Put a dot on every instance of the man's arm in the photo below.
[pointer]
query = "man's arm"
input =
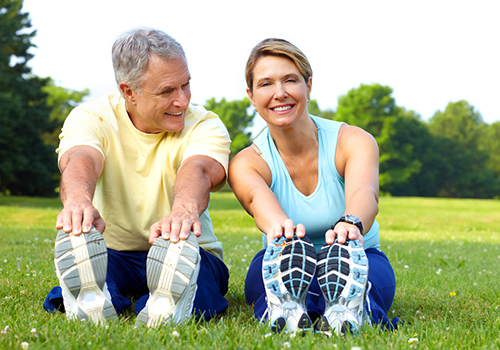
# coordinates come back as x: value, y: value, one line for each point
x: 81, y: 166
x: 196, y: 176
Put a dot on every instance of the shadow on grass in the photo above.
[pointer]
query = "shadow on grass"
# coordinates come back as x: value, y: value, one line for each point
x: 30, y: 202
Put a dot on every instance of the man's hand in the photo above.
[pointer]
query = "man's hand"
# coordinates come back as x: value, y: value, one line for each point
x: 196, y: 176
x: 343, y: 230
x: 81, y: 166
x: 175, y: 226
x: 79, y: 217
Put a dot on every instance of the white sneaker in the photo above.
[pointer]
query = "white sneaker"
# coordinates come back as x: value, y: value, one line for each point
x: 342, y: 273
x: 287, y: 269
x: 172, y: 273
x: 81, y: 264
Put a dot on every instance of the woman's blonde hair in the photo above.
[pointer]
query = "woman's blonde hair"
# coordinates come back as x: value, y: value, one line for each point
x: 280, y: 48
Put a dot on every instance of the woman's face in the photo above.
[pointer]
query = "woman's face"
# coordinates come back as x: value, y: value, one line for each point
x: 280, y: 92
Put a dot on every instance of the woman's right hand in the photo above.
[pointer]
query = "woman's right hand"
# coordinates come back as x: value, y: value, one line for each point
x: 287, y: 228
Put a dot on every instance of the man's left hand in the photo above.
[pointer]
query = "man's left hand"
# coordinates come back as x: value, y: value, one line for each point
x: 175, y: 226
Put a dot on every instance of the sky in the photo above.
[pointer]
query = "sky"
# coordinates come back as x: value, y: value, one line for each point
x: 429, y: 52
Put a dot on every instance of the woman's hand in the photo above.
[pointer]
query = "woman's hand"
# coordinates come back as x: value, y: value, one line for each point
x: 287, y: 228
x: 342, y: 230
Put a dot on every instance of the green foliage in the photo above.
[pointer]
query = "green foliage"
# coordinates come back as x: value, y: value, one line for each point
x: 490, y: 144
x: 27, y: 165
x: 465, y: 171
x: 454, y: 155
x: 61, y: 101
x: 444, y: 253
x: 313, y: 108
x: 237, y: 119
x: 398, y: 133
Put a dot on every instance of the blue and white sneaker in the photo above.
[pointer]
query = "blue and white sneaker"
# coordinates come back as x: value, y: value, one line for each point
x: 81, y: 264
x: 342, y: 273
x: 172, y: 273
x: 287, y: 269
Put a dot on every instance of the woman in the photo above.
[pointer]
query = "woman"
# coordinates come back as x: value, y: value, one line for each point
x: 312, y: 187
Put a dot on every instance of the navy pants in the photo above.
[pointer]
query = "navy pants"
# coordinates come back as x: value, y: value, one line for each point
x: 381, y: 294
x: 126, y: 279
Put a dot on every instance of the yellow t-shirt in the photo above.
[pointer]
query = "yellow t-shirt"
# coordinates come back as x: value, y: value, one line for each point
x: 135, y: 188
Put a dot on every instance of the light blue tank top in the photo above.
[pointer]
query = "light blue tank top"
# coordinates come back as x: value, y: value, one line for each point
x: 322, y: 208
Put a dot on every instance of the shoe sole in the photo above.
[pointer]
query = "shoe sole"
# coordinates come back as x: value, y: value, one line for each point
x: 172, y: 273
x: 342, y: 276
x: 81, y: 262
x: 287, y: 269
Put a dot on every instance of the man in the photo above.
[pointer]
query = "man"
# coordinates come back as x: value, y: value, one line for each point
x: 137, y: 167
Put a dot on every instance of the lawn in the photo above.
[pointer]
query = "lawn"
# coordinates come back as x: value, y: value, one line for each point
x: 445, y: 253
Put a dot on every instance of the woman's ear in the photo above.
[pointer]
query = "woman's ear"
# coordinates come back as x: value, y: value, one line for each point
x: 250, y: 96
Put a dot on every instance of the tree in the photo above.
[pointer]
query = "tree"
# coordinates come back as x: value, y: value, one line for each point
x: 313, y: 108
x: 372, y: 108
x: 490, y: 143
x: 61, y: 101
x: 467, y: 174
x: 237, y: 119
x: 27, y: 165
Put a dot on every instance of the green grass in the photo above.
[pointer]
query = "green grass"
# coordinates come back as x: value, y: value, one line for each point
x: 445, y: 254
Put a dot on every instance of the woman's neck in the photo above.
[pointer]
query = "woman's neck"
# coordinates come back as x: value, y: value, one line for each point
x: 295, y: 140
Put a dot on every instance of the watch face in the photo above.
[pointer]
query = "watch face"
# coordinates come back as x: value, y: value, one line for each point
x: 352, y: 218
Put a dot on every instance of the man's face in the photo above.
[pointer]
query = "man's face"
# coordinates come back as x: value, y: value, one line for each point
x: 161, y: 104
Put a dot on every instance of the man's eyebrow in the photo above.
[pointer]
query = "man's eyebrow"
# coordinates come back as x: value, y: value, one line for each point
x: 167, y: 89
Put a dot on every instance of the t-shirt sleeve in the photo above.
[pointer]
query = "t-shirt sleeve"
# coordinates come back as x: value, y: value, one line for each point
x: 80, y: 129
x: 210, y: 138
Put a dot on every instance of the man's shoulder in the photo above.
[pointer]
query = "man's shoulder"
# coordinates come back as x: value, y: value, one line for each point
x: 199, y: 113
x: 106, y: 104
x: 197, y: 117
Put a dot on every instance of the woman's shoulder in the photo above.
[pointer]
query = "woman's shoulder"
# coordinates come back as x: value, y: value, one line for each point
x: 247, y: 161
x: 326, y: 124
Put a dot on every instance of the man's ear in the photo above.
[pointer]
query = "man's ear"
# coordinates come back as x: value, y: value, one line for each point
x: 128, y: 93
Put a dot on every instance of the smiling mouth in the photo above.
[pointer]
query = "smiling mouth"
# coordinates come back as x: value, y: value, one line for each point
x: 174, y: 114
x: 282, y: 108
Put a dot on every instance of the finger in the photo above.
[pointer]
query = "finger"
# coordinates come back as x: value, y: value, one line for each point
x: 300, y: 230
x: 175, y: 229
x: 197, y: 228
x: 330, y: 237
x: 99, y: 225
x: 77, y: 221
x: 361, y: 239
x: 154, y: 232
x: 88, y: 217
x: 341, y: 232
x: 278, y: 230
x: 353, y: 233
x: 185, y: 228
x: 289, y: 228
x: 59, y: 221
x: 67, y: 222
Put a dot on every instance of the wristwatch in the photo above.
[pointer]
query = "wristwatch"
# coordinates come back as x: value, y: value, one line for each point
x: 351, y: 219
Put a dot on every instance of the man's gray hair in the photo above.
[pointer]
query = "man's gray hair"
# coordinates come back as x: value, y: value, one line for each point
x: 131, y: 52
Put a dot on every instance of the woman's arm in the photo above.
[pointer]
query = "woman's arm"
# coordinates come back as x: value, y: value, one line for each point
x: 357, y: 161
x: 250, y: 178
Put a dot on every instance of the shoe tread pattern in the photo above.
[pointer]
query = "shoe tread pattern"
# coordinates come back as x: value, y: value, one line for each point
x: 82, y: 262
x: 289, y: 263
x: 170, y: 268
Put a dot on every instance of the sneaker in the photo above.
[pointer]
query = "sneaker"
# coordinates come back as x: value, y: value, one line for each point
x: 172, y: 273
x: 81, y: 264
x: 288, y: 268
x: 342, y: 273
